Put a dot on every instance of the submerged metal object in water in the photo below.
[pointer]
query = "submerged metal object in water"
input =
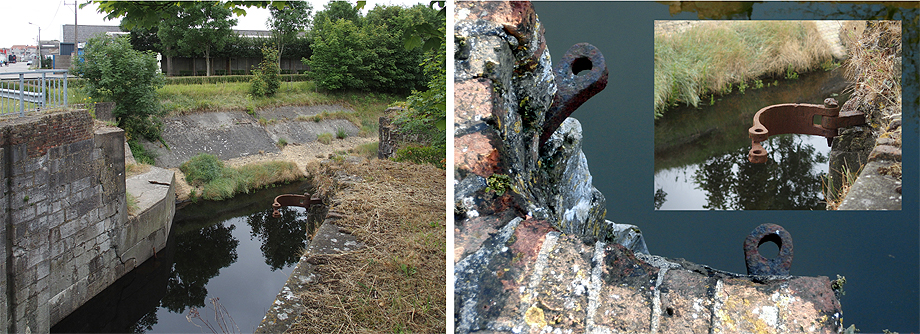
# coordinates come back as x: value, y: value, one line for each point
x: 305, y: 201
x: 798, y: 118
x: 581, y: 74
x: 759, y: 265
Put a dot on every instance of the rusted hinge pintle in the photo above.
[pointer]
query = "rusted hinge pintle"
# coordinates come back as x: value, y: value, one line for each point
x: 305, y: 201
x: 798, y: 118
x: 581, y: 74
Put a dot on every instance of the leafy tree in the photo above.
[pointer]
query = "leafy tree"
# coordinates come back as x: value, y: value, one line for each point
x: 368, y: 54
x: 266, y: 79
x: 332, y: 12
x: 196, y: 29
x: 114, y: 71
x: 287, y: 22
x: 143, y: 38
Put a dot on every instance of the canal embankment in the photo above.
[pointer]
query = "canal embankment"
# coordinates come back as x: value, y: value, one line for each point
x: 873, y: 152
x: 377, y: 263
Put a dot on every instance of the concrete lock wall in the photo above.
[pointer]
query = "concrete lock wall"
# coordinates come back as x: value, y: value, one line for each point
x: 64, y: 217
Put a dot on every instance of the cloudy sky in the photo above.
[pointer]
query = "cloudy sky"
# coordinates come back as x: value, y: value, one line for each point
x: 50, y: 15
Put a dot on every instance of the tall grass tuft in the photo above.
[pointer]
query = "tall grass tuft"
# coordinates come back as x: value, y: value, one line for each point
x: 219, y: 182
x: 710, y: 58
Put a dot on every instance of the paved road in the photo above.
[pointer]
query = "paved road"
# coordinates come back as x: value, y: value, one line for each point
x: 15, y: 68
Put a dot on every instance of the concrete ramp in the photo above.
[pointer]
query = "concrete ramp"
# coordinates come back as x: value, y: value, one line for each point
x: 234, y: 134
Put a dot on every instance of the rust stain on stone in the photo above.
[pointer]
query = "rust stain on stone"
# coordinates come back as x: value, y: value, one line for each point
x: 474, y: 152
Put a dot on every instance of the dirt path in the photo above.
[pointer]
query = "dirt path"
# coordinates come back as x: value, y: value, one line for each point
x: 301, y: 154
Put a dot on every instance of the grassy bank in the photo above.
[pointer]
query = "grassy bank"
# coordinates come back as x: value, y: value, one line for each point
x: 214, y: 181
x: 719, y: 58
x: 397, y: 283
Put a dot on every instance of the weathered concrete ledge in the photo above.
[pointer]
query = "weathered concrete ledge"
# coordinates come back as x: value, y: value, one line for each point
x: 329, y: 239
x: 155, y: 192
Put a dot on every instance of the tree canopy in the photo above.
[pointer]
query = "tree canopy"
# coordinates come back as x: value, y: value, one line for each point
x: 287, y: 22
x: 196, y: 29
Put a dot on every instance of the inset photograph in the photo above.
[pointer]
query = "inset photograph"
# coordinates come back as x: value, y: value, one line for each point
x: 777, y: 115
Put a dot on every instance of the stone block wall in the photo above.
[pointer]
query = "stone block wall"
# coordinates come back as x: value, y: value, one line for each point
x: 63, y: 192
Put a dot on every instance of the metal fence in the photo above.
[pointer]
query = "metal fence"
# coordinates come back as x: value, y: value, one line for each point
x: 22, y: 92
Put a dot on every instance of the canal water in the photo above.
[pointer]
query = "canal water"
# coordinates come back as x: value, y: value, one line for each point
x: 877, y: 251
x: 230, y: 252
x: 701, y: 153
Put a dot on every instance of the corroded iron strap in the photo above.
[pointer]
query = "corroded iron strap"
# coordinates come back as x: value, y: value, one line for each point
x: 798, y: 118
x: 581, y: 74
x: 305, y: 201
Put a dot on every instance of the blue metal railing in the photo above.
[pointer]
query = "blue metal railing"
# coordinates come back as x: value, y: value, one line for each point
x: 22, y: 92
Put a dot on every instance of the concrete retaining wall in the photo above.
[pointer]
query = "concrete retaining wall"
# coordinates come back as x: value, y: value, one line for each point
x: 63, y: 202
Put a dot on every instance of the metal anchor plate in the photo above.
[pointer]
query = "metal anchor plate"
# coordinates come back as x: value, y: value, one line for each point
x: 798, y: 118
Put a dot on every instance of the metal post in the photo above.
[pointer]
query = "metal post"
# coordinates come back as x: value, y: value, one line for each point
x: 65, y: 89
x: 22, y: 97
x: 43, y: 90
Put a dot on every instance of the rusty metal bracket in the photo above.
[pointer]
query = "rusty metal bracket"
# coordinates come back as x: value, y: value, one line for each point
x: 759, y: 265
x: 798, y: 118
x: 305, y: 201
x: 581, y: 74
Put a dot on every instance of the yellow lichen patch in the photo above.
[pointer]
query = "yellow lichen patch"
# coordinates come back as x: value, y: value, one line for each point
x: 534, y: 317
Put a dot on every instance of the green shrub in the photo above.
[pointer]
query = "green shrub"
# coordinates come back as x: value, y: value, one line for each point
x: 282, y: 142
x: 340, y: 133
x: 266, y: 79
x: 202, y: 168
x: 114, y: 71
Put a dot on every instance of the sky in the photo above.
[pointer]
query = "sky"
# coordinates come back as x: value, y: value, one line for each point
x: 21, y: 20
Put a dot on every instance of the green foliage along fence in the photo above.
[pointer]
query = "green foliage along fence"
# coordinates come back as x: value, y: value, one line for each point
x: 113, y: 71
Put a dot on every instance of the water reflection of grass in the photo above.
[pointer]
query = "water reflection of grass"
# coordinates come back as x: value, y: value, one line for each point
x: 711, y: 58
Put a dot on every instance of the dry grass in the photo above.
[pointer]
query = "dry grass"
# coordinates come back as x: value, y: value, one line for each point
x: 398, y: 282
x: 835, y: 196
x: 875, y: 68
x: 136, y: 169
x: 711, y: 58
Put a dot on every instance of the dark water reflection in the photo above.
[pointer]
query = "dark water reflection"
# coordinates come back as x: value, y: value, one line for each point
x: 788, y: 181
x: 232, y: 250
x: 711, y: 142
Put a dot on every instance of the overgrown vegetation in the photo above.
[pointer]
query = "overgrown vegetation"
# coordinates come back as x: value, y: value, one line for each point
x: 113, y: 71
x: 366, y: 53
x: 874, y: 66
x: 396, y: 283
x: 266, y: 78
x: 217, y: 182
x: 425, y: 114
x: 711, y: 58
